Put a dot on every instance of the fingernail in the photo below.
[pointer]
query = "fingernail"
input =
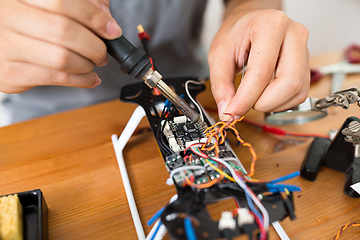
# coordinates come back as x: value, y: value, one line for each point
x: 113, y: 29
x: 98, y: 80
x: 105, y: 9
x: 228, y: 117
x: 106, y: 60
x: 221, y: 108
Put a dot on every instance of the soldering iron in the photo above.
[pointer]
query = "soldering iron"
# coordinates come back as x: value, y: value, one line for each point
x: 134, y: 62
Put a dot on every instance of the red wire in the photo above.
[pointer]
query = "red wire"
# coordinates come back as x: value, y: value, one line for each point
x: 144, y: 35
x: 307, y: 135
x: 237, y: 205
x: 192, y: 145
x: 261, y: 226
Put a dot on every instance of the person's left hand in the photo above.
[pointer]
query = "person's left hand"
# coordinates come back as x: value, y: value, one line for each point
x: 278, y: 73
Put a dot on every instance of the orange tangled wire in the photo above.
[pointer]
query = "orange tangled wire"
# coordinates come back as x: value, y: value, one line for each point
x: 218, y: 132
x: 345, y: 227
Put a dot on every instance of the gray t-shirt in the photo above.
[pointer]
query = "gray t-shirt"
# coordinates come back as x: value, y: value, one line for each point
x: 174, y: 27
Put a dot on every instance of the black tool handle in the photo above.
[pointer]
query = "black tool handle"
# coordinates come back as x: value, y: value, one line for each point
x: 132, y: 60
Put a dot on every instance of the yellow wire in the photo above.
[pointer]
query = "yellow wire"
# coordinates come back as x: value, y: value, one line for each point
x: 217, y: 131
x: 221, y: 172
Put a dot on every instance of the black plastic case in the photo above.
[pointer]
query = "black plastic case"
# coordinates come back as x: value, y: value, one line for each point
x: 35, y: 215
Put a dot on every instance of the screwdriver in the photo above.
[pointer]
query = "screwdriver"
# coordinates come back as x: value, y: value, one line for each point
x: 134, y: 62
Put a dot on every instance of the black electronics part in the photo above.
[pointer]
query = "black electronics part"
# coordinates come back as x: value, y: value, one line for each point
x: 132, y: 60
x: 338, y: 155
x: 311, y: 165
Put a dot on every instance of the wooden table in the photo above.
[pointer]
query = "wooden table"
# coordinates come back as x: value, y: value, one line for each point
x: 70, y: 157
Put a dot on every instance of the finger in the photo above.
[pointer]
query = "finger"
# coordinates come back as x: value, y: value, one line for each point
x: 59, y: 30
x: 37, y: 76
x: 292, y: 75
x: 222, y: 71
x: 84, y: 12
x: 46, y: 55
x: 100, y: 3
x: 263, y: 55
x: 225, y: 57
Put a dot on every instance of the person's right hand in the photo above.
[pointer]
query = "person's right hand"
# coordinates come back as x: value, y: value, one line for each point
x: 53, y: 42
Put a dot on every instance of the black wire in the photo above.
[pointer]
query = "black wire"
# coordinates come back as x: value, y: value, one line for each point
x: 159, y: 135
x: 162, y: 136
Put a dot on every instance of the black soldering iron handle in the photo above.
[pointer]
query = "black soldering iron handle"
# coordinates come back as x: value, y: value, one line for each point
x: 133, y: 61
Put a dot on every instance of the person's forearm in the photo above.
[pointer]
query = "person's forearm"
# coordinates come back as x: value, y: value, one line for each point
x: 240, y: 7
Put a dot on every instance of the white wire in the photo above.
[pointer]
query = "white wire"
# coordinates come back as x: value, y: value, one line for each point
x: 191, y: 98
x: 243, y: 186
x: 280, y: 231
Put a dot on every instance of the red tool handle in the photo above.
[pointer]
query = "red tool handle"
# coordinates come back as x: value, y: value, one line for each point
x: 315, y: 75
x: 352, y: 53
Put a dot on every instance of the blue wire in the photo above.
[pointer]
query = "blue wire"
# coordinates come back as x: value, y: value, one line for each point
x: 252, y: 207
x: 168, y: 104
x: 189, y: 230
x: 156, y: 216
x: 286, y: 177
x: 156, y: 231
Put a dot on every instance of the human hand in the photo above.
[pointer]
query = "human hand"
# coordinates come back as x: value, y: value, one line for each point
x: 56, y: 42
x: 276, y: 46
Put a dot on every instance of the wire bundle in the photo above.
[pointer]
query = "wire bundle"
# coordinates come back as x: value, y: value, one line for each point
x: 233, y: 176
x: 216, y: 135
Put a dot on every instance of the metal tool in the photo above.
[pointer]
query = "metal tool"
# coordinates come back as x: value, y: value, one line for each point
x: 314, y: 108
x: 307, y: 111
x: 337, y: 154
x: 339, y: 70
x: 352, y: 135
x: 341, y: 99
x: 134, y: 62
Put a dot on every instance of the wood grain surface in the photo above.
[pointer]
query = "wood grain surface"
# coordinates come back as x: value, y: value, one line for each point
x: 69, y: 156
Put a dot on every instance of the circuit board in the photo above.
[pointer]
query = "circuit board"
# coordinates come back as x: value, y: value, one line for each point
x: 201, y: 175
